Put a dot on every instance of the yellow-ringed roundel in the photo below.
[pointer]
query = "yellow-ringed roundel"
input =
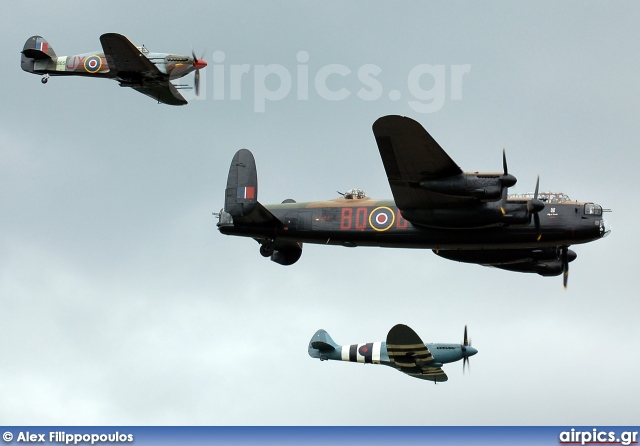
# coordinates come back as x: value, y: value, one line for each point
x: 92, y: 64
x: 382, y: 218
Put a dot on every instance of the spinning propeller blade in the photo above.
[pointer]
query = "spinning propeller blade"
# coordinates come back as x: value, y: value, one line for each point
x: 465, y: 358
x: 507, y: 181
x: 198, y: 65
x: 534, y: 206
x: 466, y: 342
x: 565, y: 266
x: 504, y: 161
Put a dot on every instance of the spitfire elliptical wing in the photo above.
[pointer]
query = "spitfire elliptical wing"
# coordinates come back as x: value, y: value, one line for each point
x: 410, y: 355
x: 411, y: 155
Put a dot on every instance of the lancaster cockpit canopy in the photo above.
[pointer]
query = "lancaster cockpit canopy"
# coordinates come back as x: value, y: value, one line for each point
x: 545, y: 197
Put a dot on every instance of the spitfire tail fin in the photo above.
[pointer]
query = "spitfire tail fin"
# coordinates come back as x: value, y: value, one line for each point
x: 241, y: 195
x: 36, y: 50
x: 322, y: 346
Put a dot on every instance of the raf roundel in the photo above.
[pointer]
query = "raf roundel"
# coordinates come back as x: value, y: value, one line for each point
x: 93, y: 64
x: 382, y: 218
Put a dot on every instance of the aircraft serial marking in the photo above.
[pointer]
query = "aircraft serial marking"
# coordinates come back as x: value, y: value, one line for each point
x: 380, y: 219
x: 61, y: 63
x: 76, y: 62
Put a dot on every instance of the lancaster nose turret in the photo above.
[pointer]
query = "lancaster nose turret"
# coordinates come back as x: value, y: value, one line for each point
x: 605, y: 228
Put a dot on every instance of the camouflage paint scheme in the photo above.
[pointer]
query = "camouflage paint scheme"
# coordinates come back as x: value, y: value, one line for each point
x: 469, y: 218
x: 403, y: 350
x: 135, y: 67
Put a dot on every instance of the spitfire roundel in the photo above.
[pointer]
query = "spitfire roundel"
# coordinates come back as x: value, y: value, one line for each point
x: 381, y: 218
x: 92, y: 64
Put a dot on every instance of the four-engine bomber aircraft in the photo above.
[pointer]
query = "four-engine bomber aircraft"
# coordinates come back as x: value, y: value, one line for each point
x: 135, y: 67
x: 461, y: 216
x: 404, y: 350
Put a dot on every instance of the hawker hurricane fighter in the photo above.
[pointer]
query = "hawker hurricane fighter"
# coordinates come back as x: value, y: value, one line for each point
x: 404, y: 350
x: 132, y: 66
x: 462, y: 216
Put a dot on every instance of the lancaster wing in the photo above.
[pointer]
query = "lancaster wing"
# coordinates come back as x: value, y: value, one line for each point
x: 411, y: 155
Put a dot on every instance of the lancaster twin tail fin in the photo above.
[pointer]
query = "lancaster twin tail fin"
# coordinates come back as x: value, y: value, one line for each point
x: 241, y: 194
x: 241, y: 204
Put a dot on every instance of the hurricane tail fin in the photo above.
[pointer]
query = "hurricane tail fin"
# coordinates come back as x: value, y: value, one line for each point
x: 36, y: 54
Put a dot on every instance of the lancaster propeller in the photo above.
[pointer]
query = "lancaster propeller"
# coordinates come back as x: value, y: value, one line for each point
x: 507, y: 181
x: 565, y: 265
x: 534, y: 206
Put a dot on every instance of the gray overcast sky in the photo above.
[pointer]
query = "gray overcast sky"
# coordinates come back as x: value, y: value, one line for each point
x: 122, y: 304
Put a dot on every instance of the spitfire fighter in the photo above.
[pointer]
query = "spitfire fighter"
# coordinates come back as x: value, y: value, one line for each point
x: 462, y: 216
x: 404, y: 350
x: 149, y: 73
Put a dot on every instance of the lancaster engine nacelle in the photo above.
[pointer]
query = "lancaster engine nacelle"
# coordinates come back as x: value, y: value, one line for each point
x: 482, y: 215
x: 543, y: 261
x: 483, y: 186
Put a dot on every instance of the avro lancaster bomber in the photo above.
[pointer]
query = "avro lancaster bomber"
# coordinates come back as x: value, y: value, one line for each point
x: 463, y: 216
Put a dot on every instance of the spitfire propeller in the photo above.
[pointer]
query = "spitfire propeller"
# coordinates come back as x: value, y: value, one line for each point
x: 467, y: 351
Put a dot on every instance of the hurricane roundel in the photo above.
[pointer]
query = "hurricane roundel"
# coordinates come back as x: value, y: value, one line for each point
x: 93, y: 64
